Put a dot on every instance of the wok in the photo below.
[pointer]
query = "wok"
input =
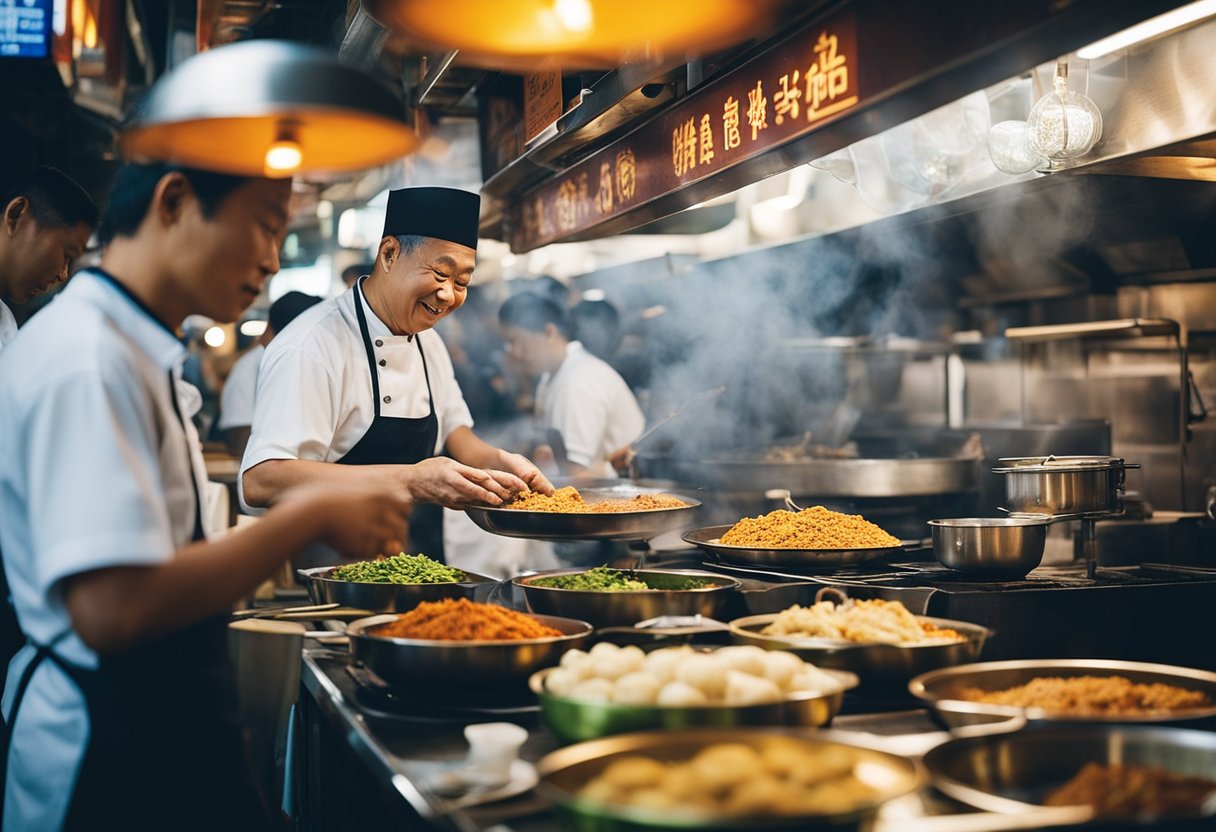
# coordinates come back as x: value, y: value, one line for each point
x: 377, y: 597
x: 608, y: 609
x: 624, y: 525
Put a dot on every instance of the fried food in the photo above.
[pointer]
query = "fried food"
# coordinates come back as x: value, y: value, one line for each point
x: 567, y: 500
x: 811, y: 528
x: 463, y: 620
x: 888, y: 622
x: 1092, y: 696
x: 1124, y: 792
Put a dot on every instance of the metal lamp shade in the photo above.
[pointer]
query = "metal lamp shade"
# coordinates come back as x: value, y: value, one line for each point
x: 221, y: 110
x: 587, y: 32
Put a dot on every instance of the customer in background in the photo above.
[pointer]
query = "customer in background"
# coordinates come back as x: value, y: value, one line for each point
x: 236, y: 399
x: 352, y: 273
x: 47, y: 221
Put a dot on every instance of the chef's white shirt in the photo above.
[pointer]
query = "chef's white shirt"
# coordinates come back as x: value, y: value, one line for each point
x: 236, y: 399
x: 314, y: 391
x: 8, y: 325
x: 95, y: 472
x: 592, y: 406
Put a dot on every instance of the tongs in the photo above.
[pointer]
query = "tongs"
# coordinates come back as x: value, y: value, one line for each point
x: 311, y: 612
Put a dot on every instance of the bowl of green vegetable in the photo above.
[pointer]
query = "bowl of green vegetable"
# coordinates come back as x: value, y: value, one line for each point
x: 622, y: 597
x: 393, y: 584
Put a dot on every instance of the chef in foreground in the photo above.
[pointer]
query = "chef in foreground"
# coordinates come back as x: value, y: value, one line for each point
x: 361, y: 389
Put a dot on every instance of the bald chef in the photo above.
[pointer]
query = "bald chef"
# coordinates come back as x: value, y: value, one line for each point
x: 361, y: 389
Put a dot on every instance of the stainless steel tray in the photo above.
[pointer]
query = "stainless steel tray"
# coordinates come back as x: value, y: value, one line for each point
x: 377, y: 597
x: 574, y: 720
x: 939, y: 689
x: 1013, y: 772
x: 625, y: 525
x: 876, y: 664
x: 708, y: 536
x: 461, y: 668
x: 615, y: 609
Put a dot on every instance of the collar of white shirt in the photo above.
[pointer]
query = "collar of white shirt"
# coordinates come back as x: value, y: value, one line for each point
x: 376, y: 328
x: 130, y: 316
x: 8, y: 325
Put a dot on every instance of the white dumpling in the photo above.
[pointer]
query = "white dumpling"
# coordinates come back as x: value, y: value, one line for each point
x: 638, y: 688
x: 704, y: 672
x: 611, y: 666
x: 743, y: 658
x: 745, y: 689
x: 577, y: 663
x: 593, y: 690
x: 681, y: 695
x: 780, y: 666
x: 633, y: 656
x: 604, y: 648
x: 811, y: 678
x: 561, y: 681
x: 662, y: 663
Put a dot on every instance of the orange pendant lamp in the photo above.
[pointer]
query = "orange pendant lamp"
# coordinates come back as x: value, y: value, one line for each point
x: 590, y: 32
x: 268, y: 108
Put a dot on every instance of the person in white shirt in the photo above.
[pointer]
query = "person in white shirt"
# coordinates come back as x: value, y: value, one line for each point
x: 578, y: 395
x: 361, y: 388
x: 120, y: 709
x: 236, y: 398
x: 47, y: 221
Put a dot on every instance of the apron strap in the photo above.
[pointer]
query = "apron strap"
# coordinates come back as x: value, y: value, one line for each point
x: 199, y: 534
x: 371, y: 354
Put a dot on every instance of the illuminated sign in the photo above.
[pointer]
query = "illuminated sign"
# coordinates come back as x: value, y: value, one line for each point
x: 788, y: 92
x: 25, y: 27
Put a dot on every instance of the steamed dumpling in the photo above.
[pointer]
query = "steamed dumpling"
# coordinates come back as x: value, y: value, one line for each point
x: 577, y: 663
x: 681, y: 695
x: 743, y: 658
x: 636, y: 689
x: 561, y: 681
x: 704, y: 672
x: 742, y: 689
x: 594, y: 690
x: 661, y: 664
x: 780, y: 667
x: 811, y: 678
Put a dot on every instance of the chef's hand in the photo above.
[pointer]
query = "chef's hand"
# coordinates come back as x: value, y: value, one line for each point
x: 522, y: 468
x: 454, y: 485
x: 357, y: 522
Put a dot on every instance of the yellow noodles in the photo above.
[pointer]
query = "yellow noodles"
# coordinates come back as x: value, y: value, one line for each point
x: 811, y: 528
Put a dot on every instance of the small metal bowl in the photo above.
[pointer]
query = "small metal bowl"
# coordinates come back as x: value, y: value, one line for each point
x: 999, y: 548
x: 566, y: 771
x: 626, y: 608
x: 874, y: 663
x: 457, y: 668
x: 576, y: 720
x: 385, y: 597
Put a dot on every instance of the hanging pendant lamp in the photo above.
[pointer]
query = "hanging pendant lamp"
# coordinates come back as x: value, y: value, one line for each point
x: 589, y: 32
x: 268, y: 108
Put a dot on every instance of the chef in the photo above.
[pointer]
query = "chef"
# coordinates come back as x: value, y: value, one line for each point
x: 577, y: 394
x: 361, y: 389
x: 119, y: 710
x: 47, y: 221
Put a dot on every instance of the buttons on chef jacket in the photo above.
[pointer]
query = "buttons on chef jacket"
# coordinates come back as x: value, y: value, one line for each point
x: 383, y: 362
x: 388, y: 399
x: 379, y: 343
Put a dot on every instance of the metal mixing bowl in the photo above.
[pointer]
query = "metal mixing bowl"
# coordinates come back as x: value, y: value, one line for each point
x: 377, y: 597
x: 453, y: 668
x: 626, y: 608
x: 991, y: 547
x: 564, y: 773
x: 576, y: 720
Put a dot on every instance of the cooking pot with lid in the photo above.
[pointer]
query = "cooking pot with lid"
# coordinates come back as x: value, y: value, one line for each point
x: 1064, y: 486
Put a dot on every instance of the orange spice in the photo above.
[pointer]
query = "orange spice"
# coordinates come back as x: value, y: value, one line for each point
x: 464, y: 620
x: 567, y: 500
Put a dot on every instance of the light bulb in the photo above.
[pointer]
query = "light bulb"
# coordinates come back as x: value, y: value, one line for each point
x: 215, y: 337
x: 1063, y: 124
x: 283, y: 158
x: 574, y: 15
x: 1010, y: 150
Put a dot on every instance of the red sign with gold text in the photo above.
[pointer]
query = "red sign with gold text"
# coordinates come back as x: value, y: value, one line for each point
x: 790, y: 91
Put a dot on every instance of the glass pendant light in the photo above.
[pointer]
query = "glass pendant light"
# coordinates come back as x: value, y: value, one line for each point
x: 268, y: 108
x: 1063, y: 124
x: 587, y: 32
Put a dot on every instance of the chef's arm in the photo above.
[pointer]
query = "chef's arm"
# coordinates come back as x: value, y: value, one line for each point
x: 116, y: 608
x: 471, y: 449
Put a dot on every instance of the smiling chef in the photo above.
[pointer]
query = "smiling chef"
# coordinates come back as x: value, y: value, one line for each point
x: 361, y: 389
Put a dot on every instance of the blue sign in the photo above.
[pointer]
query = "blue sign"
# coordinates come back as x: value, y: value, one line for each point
x: 25, y: 28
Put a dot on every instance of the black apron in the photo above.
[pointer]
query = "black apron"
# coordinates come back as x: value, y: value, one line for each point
x: 399, y: 440
x: 165, y: 748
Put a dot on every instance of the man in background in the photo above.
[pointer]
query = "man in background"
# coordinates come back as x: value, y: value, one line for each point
x: 236, y: 399
x: 352, y: 273
x: 47, y: 221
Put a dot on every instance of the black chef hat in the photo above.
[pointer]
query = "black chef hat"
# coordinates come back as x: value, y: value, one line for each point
x: 442, y: 213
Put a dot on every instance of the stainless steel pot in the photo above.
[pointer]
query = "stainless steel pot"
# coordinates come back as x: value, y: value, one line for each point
x: 614, y: 609
x: 1064, y: 486
x: 994, y: 547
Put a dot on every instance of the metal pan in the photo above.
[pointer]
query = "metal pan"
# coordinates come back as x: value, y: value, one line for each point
x: 940, y: 689
x: 389, y: 597
x: 461, y: 669
x: 707, y: 538
x: 575, y: 720
x: 616, y: 609
x: 565, y: 772
x: 874, y: 663
x: 625, y: 525
x: 1013, y: 772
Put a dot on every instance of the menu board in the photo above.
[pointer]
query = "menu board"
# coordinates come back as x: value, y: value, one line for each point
x: 25, y: 27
